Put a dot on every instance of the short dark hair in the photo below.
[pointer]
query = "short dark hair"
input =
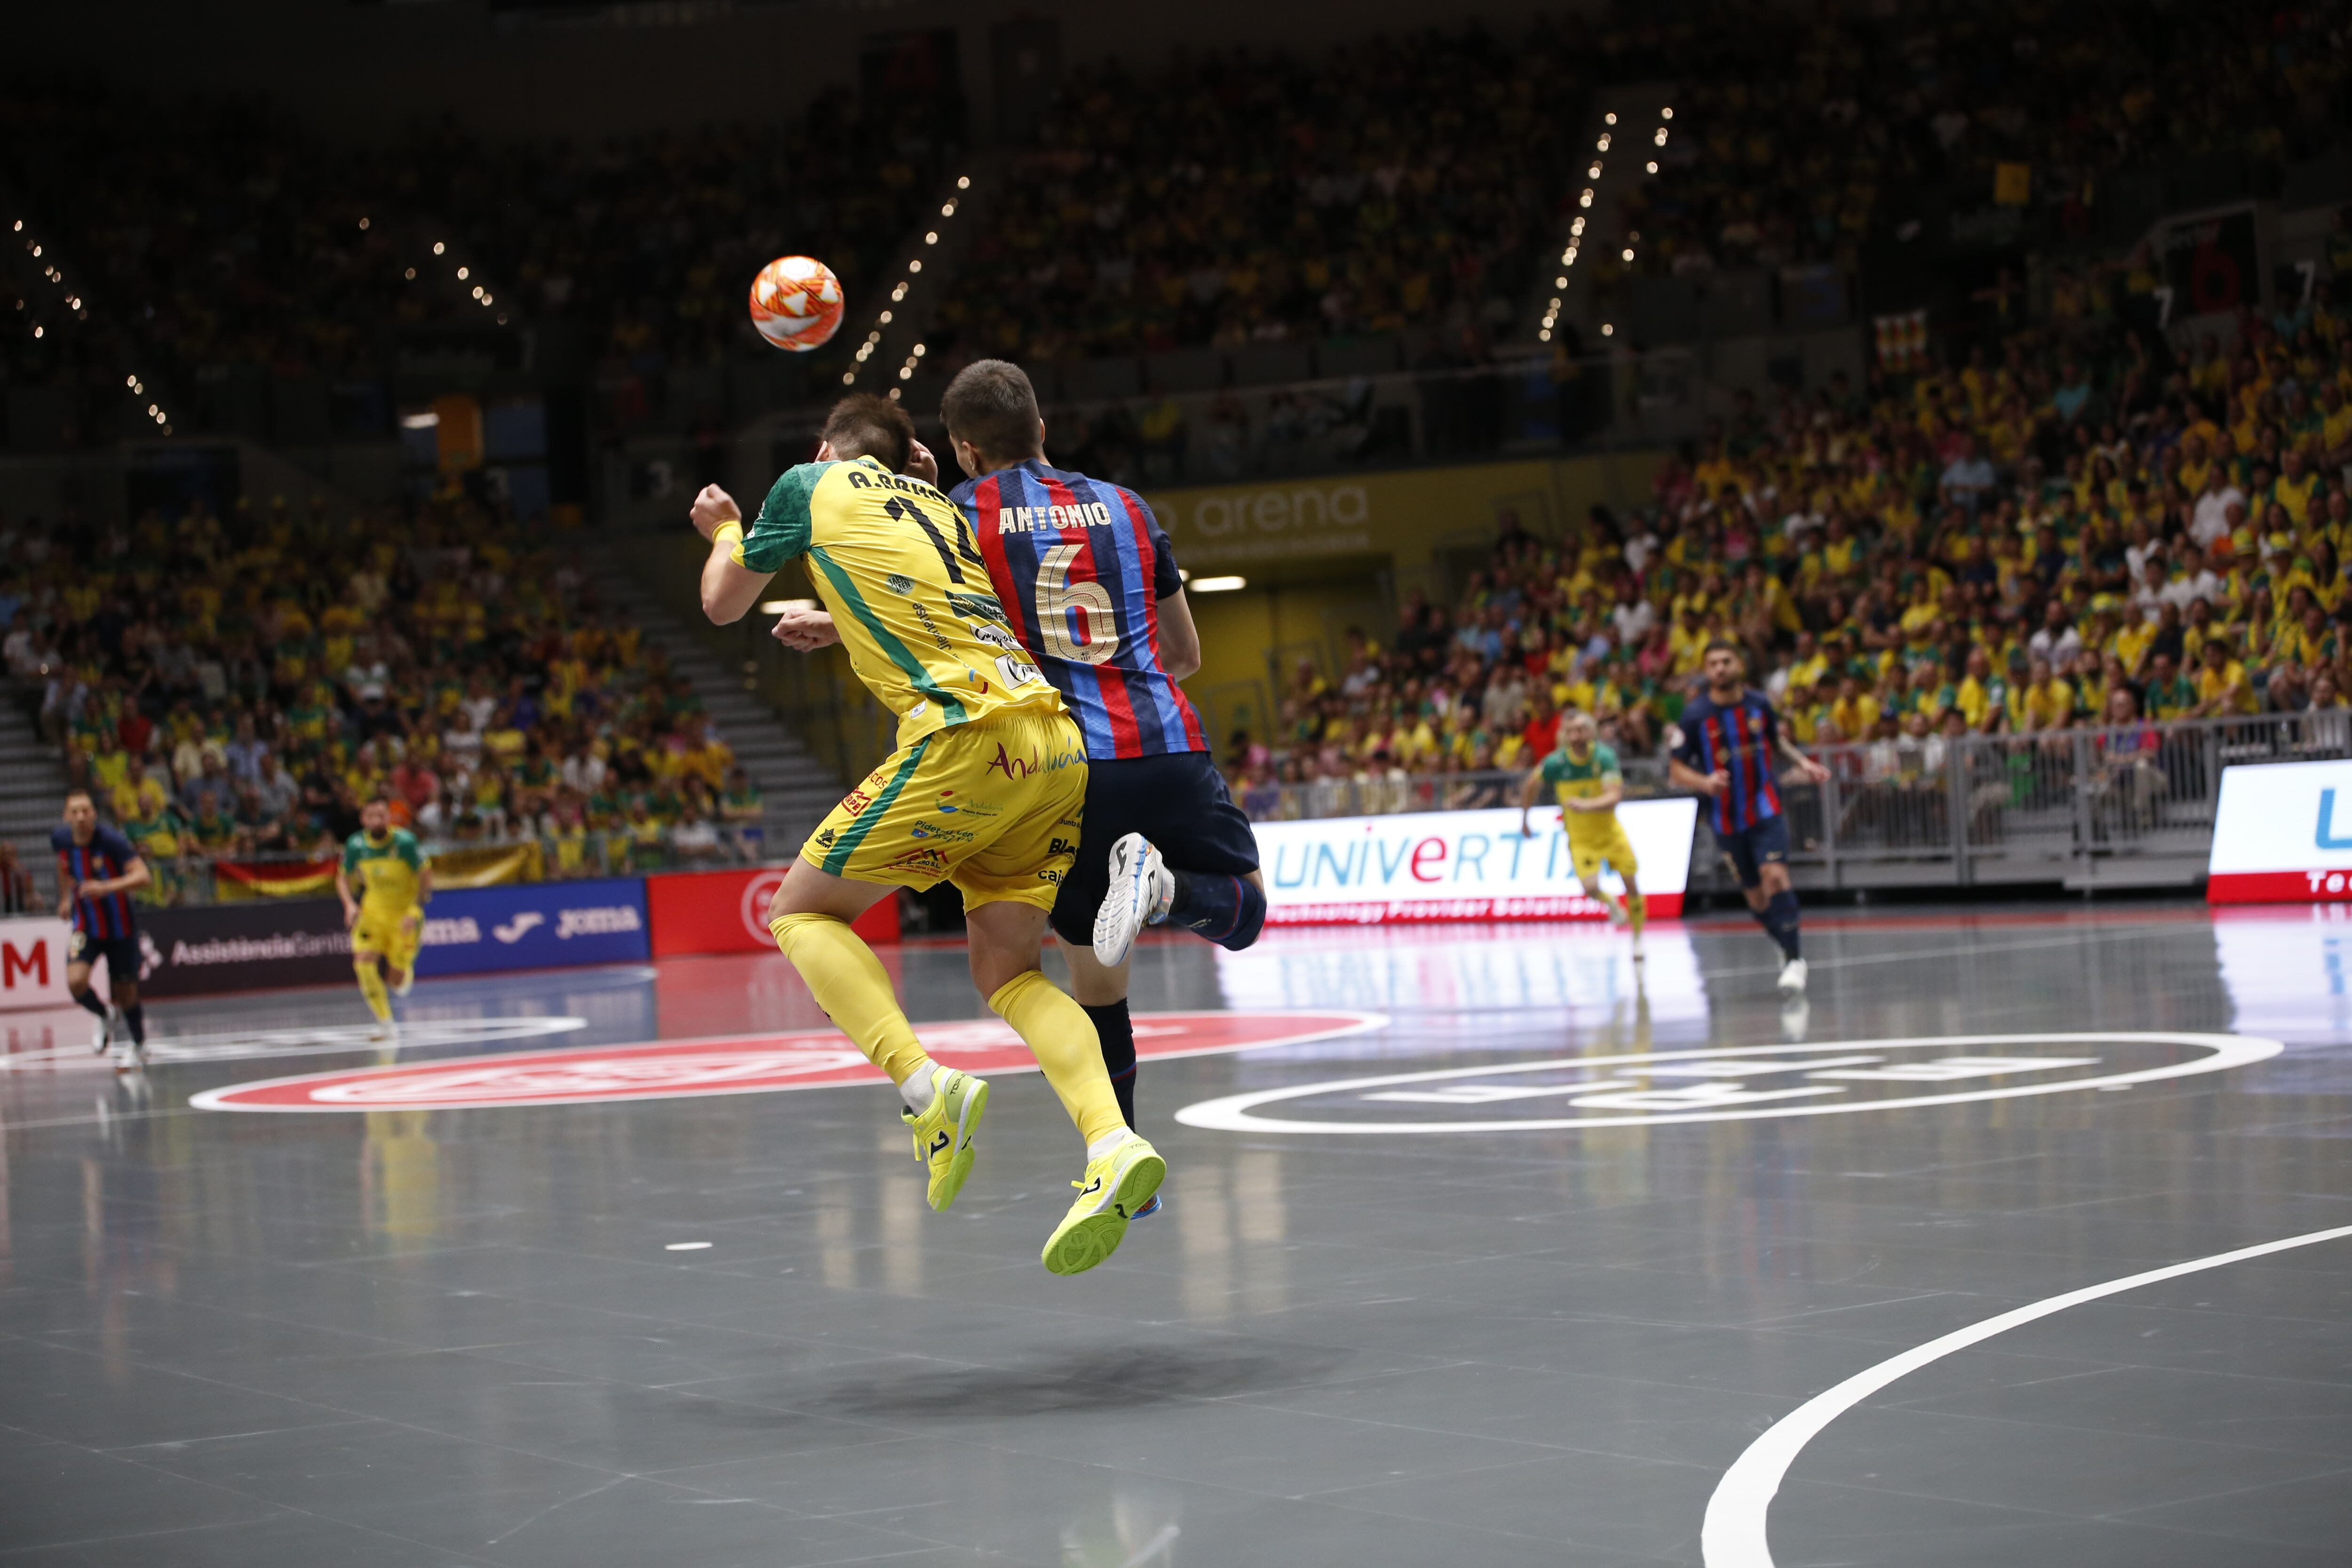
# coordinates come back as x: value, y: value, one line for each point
x: 73, y: 795
x: 865, y: 425
x: 992, y: 404
x: 1728, y: 645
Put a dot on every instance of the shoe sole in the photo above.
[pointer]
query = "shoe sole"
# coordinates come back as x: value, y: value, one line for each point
x: 944, y: 1191
x: 1122, y: 907
x: 1089, y: 1241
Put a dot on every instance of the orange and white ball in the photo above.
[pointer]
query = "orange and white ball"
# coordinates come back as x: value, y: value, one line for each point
x: 796, y: 302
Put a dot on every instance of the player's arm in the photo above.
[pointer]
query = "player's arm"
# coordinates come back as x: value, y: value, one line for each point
x: 1529, y: 788
x: 64, y: 889
x: 805, y: 631
x: 1613, y: 790
x: 1180, y: 639
x: 1685, y: 776
x: 344, y: 887
x: 729, y: 588
x: 1811, y: 771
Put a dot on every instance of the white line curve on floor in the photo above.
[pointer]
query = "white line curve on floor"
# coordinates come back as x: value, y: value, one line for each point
x: 1733, y: 1533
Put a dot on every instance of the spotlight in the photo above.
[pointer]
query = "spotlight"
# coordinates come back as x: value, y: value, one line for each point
x: 1607, y: 331
x: 1609, y: 120
x: 963, y: 182
x: 436, y: 247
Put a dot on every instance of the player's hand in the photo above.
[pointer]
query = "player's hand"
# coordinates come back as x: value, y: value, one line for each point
x: 711, y: 508
x: 1526, y: 830
x: 1815, y: 772
x: 1718, y: 784
x: 805, y: 631
x: 921, y: 464
x: 350, y: 915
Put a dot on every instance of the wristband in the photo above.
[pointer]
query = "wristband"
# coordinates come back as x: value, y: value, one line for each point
x: 727, y: 534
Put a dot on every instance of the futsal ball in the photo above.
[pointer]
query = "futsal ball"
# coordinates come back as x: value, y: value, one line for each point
x: 796, y: 302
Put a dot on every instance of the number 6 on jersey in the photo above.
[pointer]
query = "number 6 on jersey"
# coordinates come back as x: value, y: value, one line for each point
x: 1075, y: 619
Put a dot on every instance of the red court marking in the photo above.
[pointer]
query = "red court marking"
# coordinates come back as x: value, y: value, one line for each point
x: 735, y: 1064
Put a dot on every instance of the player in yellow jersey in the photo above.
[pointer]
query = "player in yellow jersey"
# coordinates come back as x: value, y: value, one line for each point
x: 1585, y: 777
x: 984, y: 791
x: 387, y: 917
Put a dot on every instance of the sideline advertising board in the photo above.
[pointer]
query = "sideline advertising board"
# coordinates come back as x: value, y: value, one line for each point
x: 33, y: 952
x: 207, y: 949
x: 535, y: 925
x: 1462, y: 866
x: 2283, y: 834
x: 727, y: 911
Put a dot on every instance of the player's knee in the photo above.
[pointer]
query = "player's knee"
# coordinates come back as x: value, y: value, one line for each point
x: 126, y: 994
x: 1251, y: 920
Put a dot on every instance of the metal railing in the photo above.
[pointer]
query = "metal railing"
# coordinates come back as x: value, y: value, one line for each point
x: 2081, y: 807
x: 2129, y: 806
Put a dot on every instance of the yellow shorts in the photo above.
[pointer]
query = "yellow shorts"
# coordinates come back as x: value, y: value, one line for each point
x: 1589, y: 847
x: 991, y: 806
x: 392, y: 934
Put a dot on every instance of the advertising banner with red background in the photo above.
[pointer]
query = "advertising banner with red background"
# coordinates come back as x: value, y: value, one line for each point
x: 727, y: 911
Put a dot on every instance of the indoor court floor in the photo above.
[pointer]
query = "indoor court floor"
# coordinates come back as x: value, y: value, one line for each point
x: 1481, y: 1247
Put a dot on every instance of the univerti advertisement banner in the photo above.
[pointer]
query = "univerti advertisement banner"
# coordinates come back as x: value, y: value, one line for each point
x: 1462, y: 866
x: 2283, y: 834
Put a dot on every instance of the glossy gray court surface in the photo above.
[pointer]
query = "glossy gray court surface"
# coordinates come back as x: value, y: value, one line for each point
x: 417, y: 1336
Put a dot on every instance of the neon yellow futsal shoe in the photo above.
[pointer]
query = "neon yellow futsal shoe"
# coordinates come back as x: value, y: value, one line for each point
x: 943, y: 1132
x: 1116, y: 1186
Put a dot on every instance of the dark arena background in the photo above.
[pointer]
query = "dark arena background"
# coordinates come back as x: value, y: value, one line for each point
x: 1873, y: 472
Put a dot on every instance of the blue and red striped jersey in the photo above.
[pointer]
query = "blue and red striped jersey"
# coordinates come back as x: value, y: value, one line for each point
x: 1081, y: 566
x: 1743, y: 739
x: 105, y: 856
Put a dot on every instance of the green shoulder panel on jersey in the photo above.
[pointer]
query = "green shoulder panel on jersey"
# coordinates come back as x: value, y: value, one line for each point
x: 781, y: 533
x: 354, y: 850
x: 1554, y: 768
x: 404, y: 844
x: 884, y: 638
x: 1604, y: 761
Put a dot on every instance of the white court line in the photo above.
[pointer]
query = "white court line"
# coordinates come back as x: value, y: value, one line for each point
x: 1733, y: 1533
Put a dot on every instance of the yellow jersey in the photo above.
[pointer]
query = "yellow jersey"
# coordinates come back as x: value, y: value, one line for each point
x: 893, y: 561
x: 386, y: 869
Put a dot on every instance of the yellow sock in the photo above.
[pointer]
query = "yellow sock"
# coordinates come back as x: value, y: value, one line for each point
x: 372, y: 987
x: 850, y: 983
x: 1637, y: 910
x: 1063, y: 1037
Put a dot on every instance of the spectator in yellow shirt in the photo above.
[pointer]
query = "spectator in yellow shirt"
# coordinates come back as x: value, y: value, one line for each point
x: 140, y: 797
x: 2223, y: 687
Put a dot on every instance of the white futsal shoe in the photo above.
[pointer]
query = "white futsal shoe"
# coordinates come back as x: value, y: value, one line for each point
x: 1141, y: 890
x: 1792, y: 978
x: 102, y: 1032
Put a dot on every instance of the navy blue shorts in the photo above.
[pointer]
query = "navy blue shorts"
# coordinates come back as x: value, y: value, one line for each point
x: 121, y: 954
x: 1177, y: 800
x: 1749, y: 849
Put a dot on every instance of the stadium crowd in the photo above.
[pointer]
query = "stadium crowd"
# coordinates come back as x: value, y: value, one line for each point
x: 233, y: 688
x: 1223, y: 200
x: 2080, y: 531
x: 1860, y: 121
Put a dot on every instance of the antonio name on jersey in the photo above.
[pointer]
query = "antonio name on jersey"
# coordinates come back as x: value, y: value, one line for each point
x: 1051, y: 519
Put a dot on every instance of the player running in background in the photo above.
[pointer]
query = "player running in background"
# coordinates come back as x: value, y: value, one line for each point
x: 98, y: 870
x: 388, y: 919
x: 1585, y: 777
x: 1093, y: 595
x: 1731, y: 744
x: 984, y: 792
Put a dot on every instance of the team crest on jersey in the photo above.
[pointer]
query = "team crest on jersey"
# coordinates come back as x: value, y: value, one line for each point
x: 825, y: 838
x: 899, y: 584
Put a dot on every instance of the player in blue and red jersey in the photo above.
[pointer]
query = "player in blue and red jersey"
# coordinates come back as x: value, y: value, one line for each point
x: 98, y: 870
x: 1086, y: 576
x: 1732, y: 745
